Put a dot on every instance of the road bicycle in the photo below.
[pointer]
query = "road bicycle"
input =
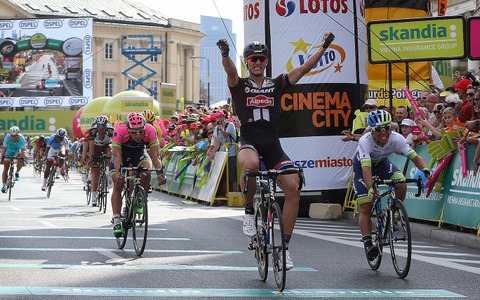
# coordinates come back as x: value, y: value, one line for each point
x: 11, y: 176
x: 38, y: 167
x: 135, y: 212
x: 391, y: 227
x: 52, y: 175
x: 270, y: 235
x: 102, y: 191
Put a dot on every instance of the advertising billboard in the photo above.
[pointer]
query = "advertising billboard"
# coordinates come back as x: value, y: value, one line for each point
x: 46, y: 62
x: 416, y: 39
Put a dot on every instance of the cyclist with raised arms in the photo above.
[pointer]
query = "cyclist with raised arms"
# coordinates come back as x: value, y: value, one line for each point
x: 13, y: 146
x: 259, y: 125
x: 130, y: 143
x: 57, y: 144
x: 371, y: 159
x: 99, y: 142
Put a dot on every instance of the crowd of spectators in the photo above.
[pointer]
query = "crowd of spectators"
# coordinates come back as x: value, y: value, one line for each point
x: 216, y: 126
x: 456, y: 109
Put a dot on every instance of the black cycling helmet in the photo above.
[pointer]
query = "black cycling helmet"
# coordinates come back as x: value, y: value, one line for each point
x: 255, y: 47
x: 41, y: 138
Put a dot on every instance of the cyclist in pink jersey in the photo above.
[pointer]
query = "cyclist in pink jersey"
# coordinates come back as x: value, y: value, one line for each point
x: 130, y: 144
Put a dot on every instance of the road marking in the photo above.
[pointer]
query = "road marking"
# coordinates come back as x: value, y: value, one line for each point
x: 46, y: 223
x: 85, y: 237
x: 114, y: 265
x: 120, y: 250
x: 199, y: 293
x: 71, y: 227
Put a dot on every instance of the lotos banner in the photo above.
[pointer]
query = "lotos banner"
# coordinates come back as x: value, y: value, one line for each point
x: 321, y: 104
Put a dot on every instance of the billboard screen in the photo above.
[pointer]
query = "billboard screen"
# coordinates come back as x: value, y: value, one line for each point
x: 46, y: 62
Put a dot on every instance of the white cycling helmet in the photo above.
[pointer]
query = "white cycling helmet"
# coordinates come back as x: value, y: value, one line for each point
x: 14, y: 130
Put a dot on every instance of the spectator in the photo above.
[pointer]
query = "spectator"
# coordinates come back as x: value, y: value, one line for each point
x: 432, y: 100
x: 422, y: 99
x: 225, y: 133
x: 461, y: 89
x: 406, y: 130
x: 401, y: 113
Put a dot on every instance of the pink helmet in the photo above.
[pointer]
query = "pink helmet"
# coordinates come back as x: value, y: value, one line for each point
x: 135, y: 121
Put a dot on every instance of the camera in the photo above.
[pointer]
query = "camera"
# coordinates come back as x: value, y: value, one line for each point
x: 219, y: 123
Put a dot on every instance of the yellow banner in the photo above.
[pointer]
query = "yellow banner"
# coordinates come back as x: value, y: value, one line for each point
x: 168, y: 100
x: 37, y: 122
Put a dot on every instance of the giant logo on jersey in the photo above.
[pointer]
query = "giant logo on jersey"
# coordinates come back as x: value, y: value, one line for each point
x: 260, y: 101
x: 333, y: 56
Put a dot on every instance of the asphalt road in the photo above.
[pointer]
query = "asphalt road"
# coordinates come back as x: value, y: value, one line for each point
x: 60, y: 248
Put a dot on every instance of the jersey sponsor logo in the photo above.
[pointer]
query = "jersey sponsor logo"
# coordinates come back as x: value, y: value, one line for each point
x: 260, y: 101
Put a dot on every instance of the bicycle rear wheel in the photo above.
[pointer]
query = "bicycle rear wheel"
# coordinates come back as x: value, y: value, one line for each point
x: 261, y: 253
x: 377, y: 226
x: 101, y: 196
x: 400, y: 239
x: 104, y: 193
x: 122, y: 240
x: 140, y: 220
x: 277, y: 236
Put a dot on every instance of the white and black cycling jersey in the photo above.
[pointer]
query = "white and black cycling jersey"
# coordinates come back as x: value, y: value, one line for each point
x: 369, y: 151
x: 95, y: 136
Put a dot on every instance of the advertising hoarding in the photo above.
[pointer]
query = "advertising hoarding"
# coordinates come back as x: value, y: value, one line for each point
x: 33, y: 51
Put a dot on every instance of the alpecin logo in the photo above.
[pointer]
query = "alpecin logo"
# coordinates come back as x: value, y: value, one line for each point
x: 260, y: 101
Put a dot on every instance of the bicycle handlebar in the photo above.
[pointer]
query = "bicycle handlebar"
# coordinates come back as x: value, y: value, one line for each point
x: 391, y: 182
x: 274, y: 174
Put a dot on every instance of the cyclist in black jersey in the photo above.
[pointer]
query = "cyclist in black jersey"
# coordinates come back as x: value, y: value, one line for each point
x: 256, y: 100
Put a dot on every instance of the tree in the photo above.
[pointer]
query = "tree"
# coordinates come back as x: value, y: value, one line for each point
x: 203, y: 90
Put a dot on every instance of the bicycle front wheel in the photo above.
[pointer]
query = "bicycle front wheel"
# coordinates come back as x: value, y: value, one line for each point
x: 51, y: 180
x: 277, y: 236
x: 88, y: 191
x: 377, y: 225
x: 139, y: 220
x: 261, y: 253
x: 102, y: 194
x: 10, y: 186
x: 400, y: 239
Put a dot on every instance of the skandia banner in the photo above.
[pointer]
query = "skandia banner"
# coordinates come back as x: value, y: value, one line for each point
x: 321, y: 104
x: 46, y: 62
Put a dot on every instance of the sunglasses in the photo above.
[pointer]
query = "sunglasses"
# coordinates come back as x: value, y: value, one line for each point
x: 136, y: 132
x: 470, y: 94
x: 476, y: 99
x: 381, y: 128
x: 101, y: 126
x: 370, y: 107
x: 436, y: 112
x: 255, y: 58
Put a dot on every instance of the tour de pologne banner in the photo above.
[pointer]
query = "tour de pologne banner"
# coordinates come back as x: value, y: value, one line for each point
x: 321, y: 104
x: 46, y: 62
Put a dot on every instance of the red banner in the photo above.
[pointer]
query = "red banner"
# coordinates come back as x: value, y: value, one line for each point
x: 442, y: 7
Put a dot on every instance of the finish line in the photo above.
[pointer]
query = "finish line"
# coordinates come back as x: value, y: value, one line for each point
x: 257, y: 293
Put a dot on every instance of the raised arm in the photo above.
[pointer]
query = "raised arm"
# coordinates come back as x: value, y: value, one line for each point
x: 227, y: 62
x: 296, y: 74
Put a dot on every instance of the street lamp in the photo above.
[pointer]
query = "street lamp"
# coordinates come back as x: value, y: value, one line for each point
x: 208, y: 74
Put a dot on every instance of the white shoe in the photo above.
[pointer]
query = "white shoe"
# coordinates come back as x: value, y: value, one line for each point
x: 94, y: 198
x: 249, y: 225
x: 288, y: 261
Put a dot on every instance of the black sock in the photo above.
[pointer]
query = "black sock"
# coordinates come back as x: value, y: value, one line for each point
x: 249, y: 210
x: 367, y: 240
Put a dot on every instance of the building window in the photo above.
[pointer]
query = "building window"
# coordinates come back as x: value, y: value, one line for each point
x: 109, y: 87
x: 108, y: 50
x: 131, y: 56
x: 154, y: 58
x: 154, y: 86
x: 130, y: 83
